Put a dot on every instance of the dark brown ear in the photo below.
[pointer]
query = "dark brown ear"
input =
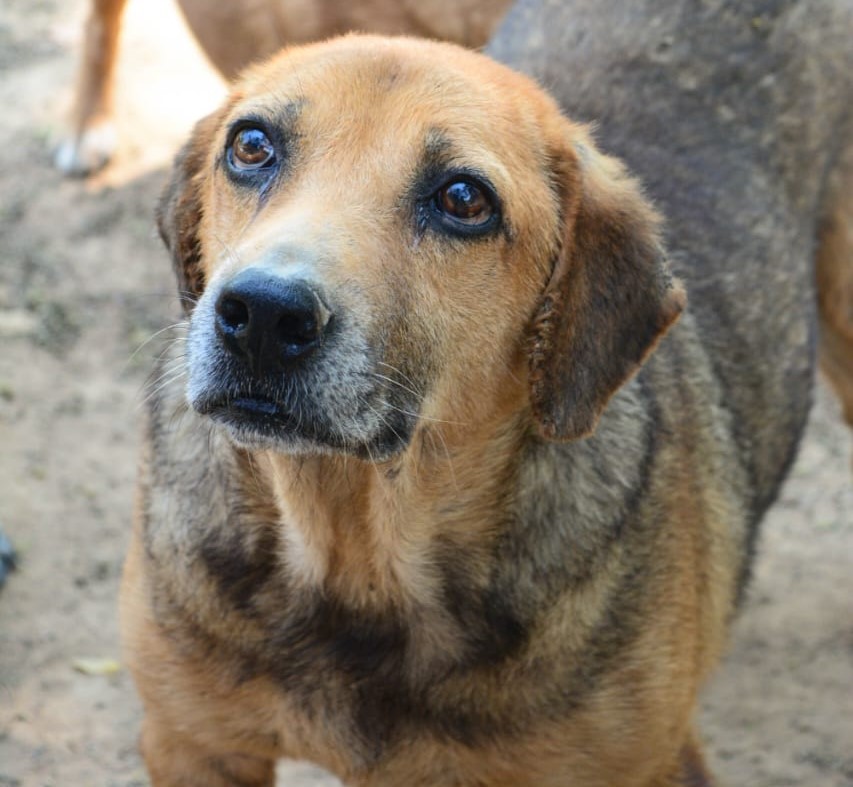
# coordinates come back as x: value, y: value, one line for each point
x: 609, y: 300
x: 180, y: 208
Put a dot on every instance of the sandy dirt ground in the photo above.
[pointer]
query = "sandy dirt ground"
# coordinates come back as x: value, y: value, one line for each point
x: 84, y: 283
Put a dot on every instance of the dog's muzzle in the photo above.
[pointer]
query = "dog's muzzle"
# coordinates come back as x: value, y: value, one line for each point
x: 270, y: 360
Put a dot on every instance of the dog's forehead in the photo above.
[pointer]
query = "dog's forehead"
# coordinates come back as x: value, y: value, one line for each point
x: 357, y: 66
x: 365, y: 90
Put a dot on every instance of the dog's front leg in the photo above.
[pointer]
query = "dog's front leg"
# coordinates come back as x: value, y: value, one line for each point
x: 175, y: 760
x: 690, y: 771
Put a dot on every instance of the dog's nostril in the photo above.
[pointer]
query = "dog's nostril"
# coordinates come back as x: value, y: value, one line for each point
x: 233, y: 313
x: 298, y: 328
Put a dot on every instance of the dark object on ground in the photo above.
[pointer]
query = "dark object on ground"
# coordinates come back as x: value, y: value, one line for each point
x: 8, y: 558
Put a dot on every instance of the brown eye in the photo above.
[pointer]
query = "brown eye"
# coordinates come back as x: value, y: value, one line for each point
x: 251, y: 150
x: 465, y: 202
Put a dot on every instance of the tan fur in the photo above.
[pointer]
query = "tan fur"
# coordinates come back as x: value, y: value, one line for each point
x: 835, y: 284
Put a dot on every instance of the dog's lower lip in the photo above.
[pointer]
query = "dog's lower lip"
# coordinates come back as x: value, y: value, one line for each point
x: 255, y: 405
x: 243, y: 408
x: 251, y: 415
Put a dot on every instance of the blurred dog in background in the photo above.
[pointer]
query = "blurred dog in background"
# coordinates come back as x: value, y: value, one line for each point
x: 238, y: 32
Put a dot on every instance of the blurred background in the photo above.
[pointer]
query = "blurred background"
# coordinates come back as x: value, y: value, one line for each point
x: 84, y: 285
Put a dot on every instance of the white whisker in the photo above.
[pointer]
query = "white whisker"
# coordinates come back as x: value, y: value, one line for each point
x: 423, y: 417
x: 433, y: 434
x: 397, y: 371
x: 398, y: 384
x: 173, y: 326
x: 385, y: 421
x: 161, y: 384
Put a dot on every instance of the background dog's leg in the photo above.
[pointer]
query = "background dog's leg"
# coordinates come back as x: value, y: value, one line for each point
x: 92, y: 139
x: 175, y: 761
x: 835, y: 283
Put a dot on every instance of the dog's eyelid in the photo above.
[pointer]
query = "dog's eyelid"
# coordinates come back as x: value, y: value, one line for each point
x: 446, y: 176
x: 279, y: 123
x: 247, y: 122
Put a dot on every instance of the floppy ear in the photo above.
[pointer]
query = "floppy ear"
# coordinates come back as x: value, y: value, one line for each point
x: 180, y: 208
x: 610, y: 298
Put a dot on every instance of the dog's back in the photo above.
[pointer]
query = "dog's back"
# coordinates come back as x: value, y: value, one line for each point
x: 734, y: 115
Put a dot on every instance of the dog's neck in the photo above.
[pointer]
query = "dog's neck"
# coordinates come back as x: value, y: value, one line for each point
x: 368, y: 532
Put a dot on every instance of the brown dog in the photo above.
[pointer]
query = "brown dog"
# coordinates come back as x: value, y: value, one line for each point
x: 238, y: 32
x: 407, y: 508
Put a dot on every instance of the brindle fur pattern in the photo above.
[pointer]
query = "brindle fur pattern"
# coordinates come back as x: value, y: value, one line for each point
x: 736, y: 116
x: 484, y: 604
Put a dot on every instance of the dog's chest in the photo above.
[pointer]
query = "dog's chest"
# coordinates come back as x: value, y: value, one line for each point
x: 357, y: 678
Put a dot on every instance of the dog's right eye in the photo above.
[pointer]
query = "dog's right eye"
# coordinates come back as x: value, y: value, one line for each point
x: 251, y: 150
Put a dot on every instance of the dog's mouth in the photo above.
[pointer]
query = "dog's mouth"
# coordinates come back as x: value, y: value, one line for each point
x: 257, y: 421
x: 252, y: 407
x: 257, y: 418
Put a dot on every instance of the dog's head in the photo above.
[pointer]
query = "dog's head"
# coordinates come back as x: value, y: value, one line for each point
x: 379, y: 233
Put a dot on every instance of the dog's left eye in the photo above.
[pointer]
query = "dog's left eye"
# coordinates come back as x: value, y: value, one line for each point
x: 464, y: 201
x: 251, y: 150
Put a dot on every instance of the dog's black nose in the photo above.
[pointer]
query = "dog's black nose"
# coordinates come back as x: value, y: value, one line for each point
x: 269, y: 321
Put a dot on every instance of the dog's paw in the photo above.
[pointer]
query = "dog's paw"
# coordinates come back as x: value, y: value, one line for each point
x: 7, y: 557
x: 87, y: 153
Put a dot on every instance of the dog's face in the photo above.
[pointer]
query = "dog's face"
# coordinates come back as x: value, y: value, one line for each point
x: 383, y: 233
